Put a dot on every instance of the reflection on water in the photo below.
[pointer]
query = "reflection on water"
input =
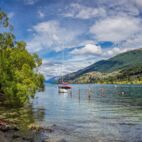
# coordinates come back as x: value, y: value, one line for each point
x: 102, y: 113
x: 22, y: 117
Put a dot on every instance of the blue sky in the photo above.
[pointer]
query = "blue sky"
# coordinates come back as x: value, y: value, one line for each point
x: 85, y: 31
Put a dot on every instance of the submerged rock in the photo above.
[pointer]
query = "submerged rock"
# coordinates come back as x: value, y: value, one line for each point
x: 61, y: 140
x: 5, y: 126
x: 2, y: 137
x: 37, y: 127
x: 11, y: 133
x: 54, y: 140
x: 34, y: 127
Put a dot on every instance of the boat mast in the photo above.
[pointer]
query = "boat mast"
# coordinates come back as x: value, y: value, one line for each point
x: 62, y: 65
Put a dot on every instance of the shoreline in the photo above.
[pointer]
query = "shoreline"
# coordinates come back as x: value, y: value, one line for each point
x: 11, y: 133
x: 35, y: 133
x: 115, y: 83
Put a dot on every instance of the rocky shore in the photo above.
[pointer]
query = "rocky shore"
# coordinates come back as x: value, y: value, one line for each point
x: 11, y: 133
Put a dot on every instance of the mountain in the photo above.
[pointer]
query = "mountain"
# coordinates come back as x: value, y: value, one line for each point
x: 53, y: 79
x: 125, y: 66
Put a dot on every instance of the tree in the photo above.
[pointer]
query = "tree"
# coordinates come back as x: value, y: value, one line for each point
x: 18, y: 77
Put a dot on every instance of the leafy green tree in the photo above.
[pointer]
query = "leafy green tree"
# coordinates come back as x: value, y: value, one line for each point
x: 19, y: 77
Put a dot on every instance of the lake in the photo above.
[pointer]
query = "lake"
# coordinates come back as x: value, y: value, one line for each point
x: 92, y: 113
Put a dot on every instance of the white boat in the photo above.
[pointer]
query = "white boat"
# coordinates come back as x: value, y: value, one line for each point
x: 64, y: 88
x: 61, y: 90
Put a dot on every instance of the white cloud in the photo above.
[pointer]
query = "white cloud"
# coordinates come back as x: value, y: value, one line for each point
x: 129, y: 6
x: 89, y: 49
x: 51, y: 35
x: 138, y: 3
x: 58, y: 68
x: 124, y: 10
x: 121, y: 7
x: 40, y: 14
x: 84, y: 12
x: 134, y: 42
x: 108, y: 53
x: 102, y: 8
x: 115, y: 29
x: 30, y: 2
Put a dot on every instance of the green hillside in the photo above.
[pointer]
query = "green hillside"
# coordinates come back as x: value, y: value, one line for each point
x: 120, y: 61
x: 123, y: 67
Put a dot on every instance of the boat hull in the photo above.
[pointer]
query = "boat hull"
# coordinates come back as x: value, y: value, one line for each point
x: 62, y: 90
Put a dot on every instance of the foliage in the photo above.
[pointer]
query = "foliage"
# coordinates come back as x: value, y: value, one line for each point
x: 19, y: 79
x: 131, y: 75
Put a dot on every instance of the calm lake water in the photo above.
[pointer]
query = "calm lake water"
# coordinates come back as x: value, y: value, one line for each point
x: 96, y: 113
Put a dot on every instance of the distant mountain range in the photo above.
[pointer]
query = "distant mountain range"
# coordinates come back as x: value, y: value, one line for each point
x: 123, y: 68
x: 53, y: 79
